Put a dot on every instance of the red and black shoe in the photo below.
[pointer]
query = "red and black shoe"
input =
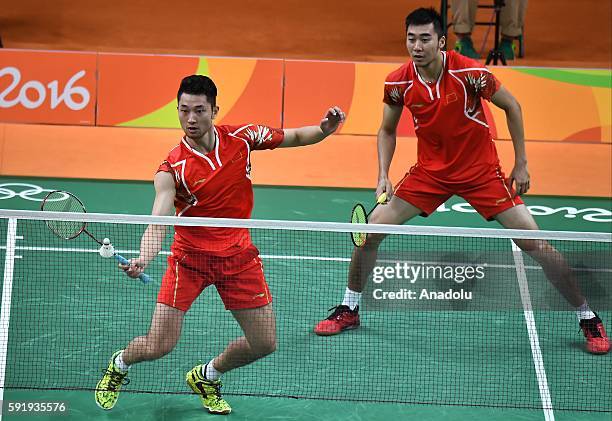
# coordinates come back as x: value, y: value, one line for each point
x: 343, y: 318
x: 595, y: 334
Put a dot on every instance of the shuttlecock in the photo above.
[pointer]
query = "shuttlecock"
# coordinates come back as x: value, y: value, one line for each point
x: 107, y: 250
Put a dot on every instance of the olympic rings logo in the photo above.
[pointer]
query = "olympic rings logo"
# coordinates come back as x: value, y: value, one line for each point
x: 26, y: 191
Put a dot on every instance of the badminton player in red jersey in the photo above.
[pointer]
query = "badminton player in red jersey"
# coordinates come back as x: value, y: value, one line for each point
x: 208, y: 175
x: 456, y: 156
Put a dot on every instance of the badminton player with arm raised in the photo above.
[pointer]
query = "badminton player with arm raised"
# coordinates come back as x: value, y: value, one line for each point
x: 208, y: 175
x: 456, y: 156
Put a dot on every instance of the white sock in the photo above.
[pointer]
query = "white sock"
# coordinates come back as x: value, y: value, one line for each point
x: 210, y: 372
x: 351, y: 298
x: 121, y: 365
x: 584, y: 312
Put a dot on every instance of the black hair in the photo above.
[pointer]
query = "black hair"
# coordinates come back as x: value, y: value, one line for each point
x: 198, y: 85
x: 425, y: 16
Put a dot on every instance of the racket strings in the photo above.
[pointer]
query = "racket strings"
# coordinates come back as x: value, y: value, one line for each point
x: 358, y: 216
x: 59, y: 201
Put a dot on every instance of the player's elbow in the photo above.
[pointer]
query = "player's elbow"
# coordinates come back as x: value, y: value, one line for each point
x: 516, y: 106
x: 292, y: 140
x: 510, y: 105
x: 385, y: 134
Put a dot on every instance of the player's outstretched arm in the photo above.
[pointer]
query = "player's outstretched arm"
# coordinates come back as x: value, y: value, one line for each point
x: 387, y: 135
x: 152, y: 238
x: 310, y: 135
x: 514, y: 118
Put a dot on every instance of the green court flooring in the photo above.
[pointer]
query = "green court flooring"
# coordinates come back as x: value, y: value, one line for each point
x: 180, y: 407
x: 392, y: 351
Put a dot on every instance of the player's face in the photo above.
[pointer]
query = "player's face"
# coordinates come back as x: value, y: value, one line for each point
x: 423, y: 44
x: 196, y: 115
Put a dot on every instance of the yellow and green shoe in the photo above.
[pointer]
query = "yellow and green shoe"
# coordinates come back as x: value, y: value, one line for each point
x: 108, y: 388
x: 465, y: 46
x: 209, y: 391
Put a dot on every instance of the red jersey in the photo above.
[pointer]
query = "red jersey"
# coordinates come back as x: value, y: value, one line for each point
x: 217, y: 185
x: 453, y: 139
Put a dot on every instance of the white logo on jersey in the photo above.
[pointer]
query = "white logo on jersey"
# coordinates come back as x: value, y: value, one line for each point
x: 478, y: 83
x: 394, y: 94
x: 259, y: 135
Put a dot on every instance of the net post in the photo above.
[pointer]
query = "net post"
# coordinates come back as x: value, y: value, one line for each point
x: 7, y: 290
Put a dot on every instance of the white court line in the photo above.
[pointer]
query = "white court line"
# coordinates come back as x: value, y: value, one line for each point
x: 536, y: 352
x: 315, y: 258
x: 7, y: 291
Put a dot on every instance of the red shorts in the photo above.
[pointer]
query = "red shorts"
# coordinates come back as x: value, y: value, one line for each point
x: 489, y: 194
x: 239, y: 279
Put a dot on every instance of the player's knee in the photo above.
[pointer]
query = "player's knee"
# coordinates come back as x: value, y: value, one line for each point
x: 263, y: 348
x: 525, y: 245
x: 374, y: 240
x: 158, y: 349
x: 533, y: 246
x: 376, y: 218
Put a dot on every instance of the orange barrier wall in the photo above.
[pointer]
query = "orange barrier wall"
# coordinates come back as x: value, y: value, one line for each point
x: 558, y: 104
x: 133, y: 99
x: 47, y: 87
x: 131, y: 86
x: 140, y: 91
x: 341, y: 161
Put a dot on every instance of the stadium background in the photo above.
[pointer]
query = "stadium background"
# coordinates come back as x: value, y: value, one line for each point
x: 107, y: 151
